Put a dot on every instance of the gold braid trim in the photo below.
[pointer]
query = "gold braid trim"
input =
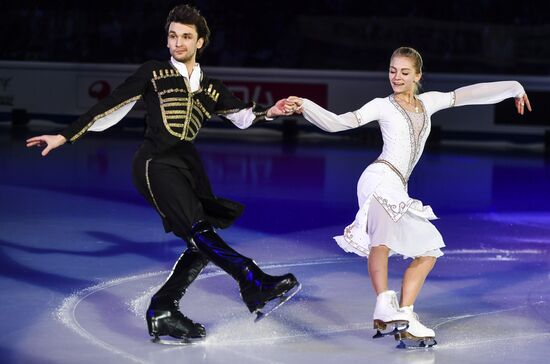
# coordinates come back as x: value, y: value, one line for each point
x: 174, y: 99
x: 106, y: 113
x: 196, y: 122
x: 224, y: 112
x: 174, y: 104
x: 175, y: 112
x: 160, y: 93
x: 150, y: 190
x: 258, y: 113
x: 189, y: 113
x: 392, y: 167
x: 199, y: 105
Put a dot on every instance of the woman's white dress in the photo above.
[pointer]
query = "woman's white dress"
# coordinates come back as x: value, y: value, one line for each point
x: 387, y: 215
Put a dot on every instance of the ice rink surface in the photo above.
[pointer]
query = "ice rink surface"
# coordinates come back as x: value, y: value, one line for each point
x: 81, y: 253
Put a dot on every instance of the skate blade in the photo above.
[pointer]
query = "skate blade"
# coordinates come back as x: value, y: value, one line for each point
x: 416, y: 344
x: 398, y: 327
x: 277, y: 302
x: 177, y: 342
x: 407, y: 341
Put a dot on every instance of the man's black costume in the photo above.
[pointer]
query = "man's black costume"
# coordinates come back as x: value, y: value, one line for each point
x: 168, y: 172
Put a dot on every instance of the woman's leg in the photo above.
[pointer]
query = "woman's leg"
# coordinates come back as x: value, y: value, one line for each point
x: 414, y: 278
x: 386, y: 310
x: 378, y: 268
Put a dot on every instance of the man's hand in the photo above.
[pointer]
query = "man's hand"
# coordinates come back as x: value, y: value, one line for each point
x: 286, y: 106
x: 49, y: 141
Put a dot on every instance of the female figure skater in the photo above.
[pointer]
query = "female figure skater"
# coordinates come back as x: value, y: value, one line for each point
x: 389, y: 221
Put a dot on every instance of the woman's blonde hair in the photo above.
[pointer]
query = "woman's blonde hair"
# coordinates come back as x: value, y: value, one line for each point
x: 412, y: 54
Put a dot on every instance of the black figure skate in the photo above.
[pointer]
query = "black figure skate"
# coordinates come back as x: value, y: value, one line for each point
x: 174, y: 324
x: 163, y: 315
x: 261, y: 292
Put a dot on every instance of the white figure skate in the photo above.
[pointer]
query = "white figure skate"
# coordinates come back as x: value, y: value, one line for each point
x: 416, y: 335
x: 387, y: 313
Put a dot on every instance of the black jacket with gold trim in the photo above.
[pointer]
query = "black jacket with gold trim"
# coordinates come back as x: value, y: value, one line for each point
x: 174, y: 113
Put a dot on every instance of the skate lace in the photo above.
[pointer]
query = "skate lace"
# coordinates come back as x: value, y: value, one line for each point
x: 394, y: 302
x: 184, y: 318
x: 413, y: 314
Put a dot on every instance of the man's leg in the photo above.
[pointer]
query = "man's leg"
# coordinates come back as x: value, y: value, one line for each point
x: 177, y: 202
x: 256, y: 287
x: 163, y: 315
x: 168, y: 190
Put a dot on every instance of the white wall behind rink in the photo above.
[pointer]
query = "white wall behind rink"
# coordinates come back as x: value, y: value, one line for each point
x: 53, y: 90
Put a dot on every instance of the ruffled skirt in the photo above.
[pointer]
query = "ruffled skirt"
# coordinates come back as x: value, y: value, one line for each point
x: 388, y: 216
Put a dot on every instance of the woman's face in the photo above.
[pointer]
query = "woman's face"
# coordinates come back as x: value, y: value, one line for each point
x: 403, y: 75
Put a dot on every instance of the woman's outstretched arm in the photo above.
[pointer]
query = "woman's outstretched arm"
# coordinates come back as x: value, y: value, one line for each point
x: 492, y: 93
x: 331, y: 122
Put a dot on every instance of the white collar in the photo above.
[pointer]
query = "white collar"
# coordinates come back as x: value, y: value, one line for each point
x: 195, y: 79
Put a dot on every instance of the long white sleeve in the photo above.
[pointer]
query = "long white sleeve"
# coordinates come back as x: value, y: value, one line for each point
x: 331, y: 122
x: 113, y: 118
x: 487, y: 93
x: 242, y: 119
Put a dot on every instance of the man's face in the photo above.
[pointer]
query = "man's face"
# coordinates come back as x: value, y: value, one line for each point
x: 183, y: 42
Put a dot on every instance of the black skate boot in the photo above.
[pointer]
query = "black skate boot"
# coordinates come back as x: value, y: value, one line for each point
x: 257, y: 288
x: 163, y: 315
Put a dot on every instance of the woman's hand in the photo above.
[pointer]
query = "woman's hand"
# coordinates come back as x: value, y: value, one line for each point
x: 286, y: 106
x: 296, y: 103
x: 521, y: 102
x: 49, y: 141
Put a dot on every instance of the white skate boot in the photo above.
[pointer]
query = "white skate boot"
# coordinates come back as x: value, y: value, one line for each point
x: 387, y: 313
x: 416, y: 335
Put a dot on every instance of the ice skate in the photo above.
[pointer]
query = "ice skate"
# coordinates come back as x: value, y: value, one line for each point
x: 387, y: 315
x: 416, y: 335
x: 261, y: 292
x: 277, y: 302
x: 174, y: 324
x: 163, y: 316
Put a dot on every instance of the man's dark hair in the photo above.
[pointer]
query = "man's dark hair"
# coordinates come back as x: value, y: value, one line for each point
x: 187, y: 14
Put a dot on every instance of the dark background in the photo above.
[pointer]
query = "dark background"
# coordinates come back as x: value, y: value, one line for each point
x: 453, y: 36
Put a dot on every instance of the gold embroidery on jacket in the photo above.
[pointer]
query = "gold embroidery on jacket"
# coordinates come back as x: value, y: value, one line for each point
x: 176, y: 104
x: 171, y: 90
x: 212, y: 93
x: 100, y: 116
x: 200, y: 107
x: 150, y: 189
x: 225, y: 112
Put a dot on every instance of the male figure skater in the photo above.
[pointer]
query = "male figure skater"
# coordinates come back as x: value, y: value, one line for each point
x: 168, y: 172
